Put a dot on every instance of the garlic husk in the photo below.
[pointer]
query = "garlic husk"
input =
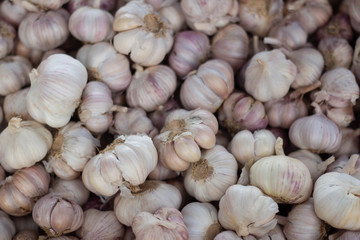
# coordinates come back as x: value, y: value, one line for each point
x: 341, y: 116
x: 151, y: 87
x: 7, y: 226
x: 14, y: 74
x: 71, y: 189
x: 137, y: 24
x: 337, y: 52
x: 231, y: 44
x: 149, y: 197
x: 100, y: 225
x: 345, y: 164
x: 208, y: 87
x: 227, y: 235
x: 44, y: 30
x: 12, y: 12
x: 15, y: 105
x: 7, y: 37
x: 57, y: 215
x: 45, y: 4
x: 208, y: 178
x: 338, y: 26
x: 34, y: 142
x: 57, y: 82
x: 20, y: 191
x: 260, y: 72
x: 336, y: 200
x: 91, y: 25
x: 190, y: 49
x: 349, y: 142
x: 354, y: 9
x: 246, y: 210
x: 201, y: 220
x: 165, y: 222
x: 107, y: 5
x: 162, y: 173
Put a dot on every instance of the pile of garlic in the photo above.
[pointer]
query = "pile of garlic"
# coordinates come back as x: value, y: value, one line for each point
x: 180, y: 119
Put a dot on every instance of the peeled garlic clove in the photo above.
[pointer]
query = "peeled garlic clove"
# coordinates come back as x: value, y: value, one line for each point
x: 337, y: 52
x: 71, y: 189
x: 338, y: 26
x: 15, y: 105
x: 7, y: 226
x: 12, y: 12
x: 165, y: 222
x: 7, y: 37
x: 247, y: 210
x: 57, y: 82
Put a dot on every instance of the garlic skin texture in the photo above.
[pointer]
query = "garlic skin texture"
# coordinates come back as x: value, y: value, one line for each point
x: 336, y: 200
x: 7, y: 226
x: 337, y: 52
x: 208, y: 87
x: 260, y: 72
x: 151, y: 87
x: 27, y: 142
x: 201, y: 220
x: 227, y: 235
x: 247, y: 210
x: 7, y: 37
x: 71, y: 189
x: 72, y: 148
x: 100, y: 225
x: 349, y: 142
x: 161, y: 173
x: 57, y: 82
x: 12, y: 12
x: 149, y: 197
x: 47, y: 4
x: 338, y: 26
x: 142, y: 33
x: 354, y: 7
x: 165, y: 222
x: 91, y: 25
x: 108, y: 5
x: 44, y: 30
x: 33, y: 55
x: 104, y: 64
x: 15, y: 105
x: 208, y: 178
x: 14, y: 74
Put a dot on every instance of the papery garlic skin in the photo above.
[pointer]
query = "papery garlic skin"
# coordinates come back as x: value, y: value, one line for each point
x: 208, y: 87
x: 15, y: 105
x: 48, y: 4
x: 107, y: 5
x: 349, y: 142
x: 165, y: 222
x: 354, y: 8
x: 71, y: 189
x: 12, y: 12
x: 174, y: 14
x: 7, y: 226
x: 338, y: 26
x: 23, y: 143
x: 341, y: 116
x: 7, y: 37
x: 162, y: 173
x: 57, y: 82
x: 246, y: 210
x: 31, y: 54
x: 337, y: 52
x: 138, y: 25
x: 227, y: 235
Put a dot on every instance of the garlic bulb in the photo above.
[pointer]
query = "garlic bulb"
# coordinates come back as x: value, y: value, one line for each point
x: 149, y: 197
x: 15, y: 105
x: 337, y: 52
x: 338, y: 26
x: 7, y: 226
x: 231, y: 44
x: 7, y: 37
x: 107, y: 5
x: 45, y: 4
x: 151, y: 87
x: 207, y: 16
x: 208, y: 87
x: 336, y: 200
x: 349, y: 142
x: 51, y: 52
x: 71, y: 189
x: 201, y: 220
x: 44, y: 30
x: 246, y: 146
x: 100, y: 225
x: 246, y: 210
x: 285, y: 179
x: 341, y: 116
x: 208, y: 178
x: 126, y: 162
x: 12, y: 12
x: 190, y: 49
x: 33, y: 55
x: 263, y: 82
x: 14, y: 74
x: 142, y: 33
x: 184, y: 133
x: 57, y: 215
x: 104, y: 64
x: 316, y: 133
x: 24, y: 223
x: 354, y: 13
x: 167, y: 223
x: 227, y: 235
x: 27, y: 142
x: 20, y: 191
x: 57, y: 82
x: 240, y: 111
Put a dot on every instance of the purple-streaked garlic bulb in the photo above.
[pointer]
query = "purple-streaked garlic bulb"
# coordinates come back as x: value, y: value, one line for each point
x: 7, y: 37
x: 338, y: 26
x: 337, y: 52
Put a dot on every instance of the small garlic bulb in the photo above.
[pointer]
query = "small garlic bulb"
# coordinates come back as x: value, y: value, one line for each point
x: 263, y: 82
x: 208, y: 178
x: 27, y: 142
x: 44, y: 30
x: 246, y: 146
x: 201, y: 220
x: 246, y: 210
x: 57, y: 215
x: 100, y: 225
x: 337, y: 52
x: 57, y: 82
x: 142, y: 33
x: 7, y: 37
x: 354, y: 13
x: 149, y: 197
x: 336, y: 200
x: 347, y: 235
x: 104, y: 64
x: 71, y: 189
x: 167, y: 223
x: 7, y: 226
x: 208, y: 87
x: 15, y: 105
x: 91, y: 25
x: 12, y: 12
x: 14, y: 74
x: 338, y: 26
x: 151, y: 87
x: 158, y: 116
x: 26, y: 234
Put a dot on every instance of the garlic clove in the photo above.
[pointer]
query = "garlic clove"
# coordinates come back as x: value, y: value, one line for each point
x: 71, y: 189
x: 186, y: 148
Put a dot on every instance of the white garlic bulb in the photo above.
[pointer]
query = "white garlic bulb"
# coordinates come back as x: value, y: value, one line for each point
x: 265, y: 83
x: 12, y: 12
x: 142, y: 33
x: 15, y: 105
x: 71, y: 189
x: 56, y: 87
x: 7, y: 37
x: 7, y: 226
x: 246, y: 210
x: 27, y: 142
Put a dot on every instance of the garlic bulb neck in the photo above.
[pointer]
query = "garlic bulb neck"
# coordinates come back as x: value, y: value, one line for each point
x: 14, y: 124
